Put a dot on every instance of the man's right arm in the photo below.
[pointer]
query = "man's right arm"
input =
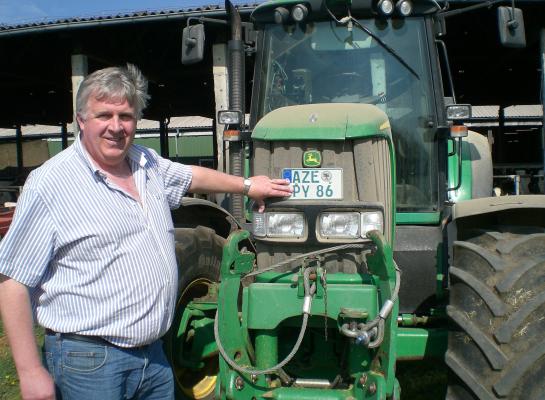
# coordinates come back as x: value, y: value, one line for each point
x: 35, y: 381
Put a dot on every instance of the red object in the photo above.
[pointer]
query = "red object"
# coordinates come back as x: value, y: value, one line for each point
x: 6, y: 216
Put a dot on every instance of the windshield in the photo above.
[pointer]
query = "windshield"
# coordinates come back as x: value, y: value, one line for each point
x: 323, y: 62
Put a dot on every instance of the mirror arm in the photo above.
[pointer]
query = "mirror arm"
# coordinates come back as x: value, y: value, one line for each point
x: 204, y: 19
x: 457, y: 149
x: 443, y: 47
x: 487, y: 4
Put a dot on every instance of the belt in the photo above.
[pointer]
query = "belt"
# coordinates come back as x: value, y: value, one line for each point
x: 81, y: 338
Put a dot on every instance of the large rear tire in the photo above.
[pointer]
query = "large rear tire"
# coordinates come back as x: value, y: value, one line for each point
x: 199, y: 253
x: 497, y: 303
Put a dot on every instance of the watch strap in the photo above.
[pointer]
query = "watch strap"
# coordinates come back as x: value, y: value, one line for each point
x: 247, y: 185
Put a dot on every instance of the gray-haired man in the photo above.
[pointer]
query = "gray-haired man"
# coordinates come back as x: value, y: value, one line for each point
x: 91, y: 253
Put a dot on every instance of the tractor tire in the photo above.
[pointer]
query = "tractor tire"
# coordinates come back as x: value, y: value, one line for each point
x: 199, y: 253
x: 496, y: 348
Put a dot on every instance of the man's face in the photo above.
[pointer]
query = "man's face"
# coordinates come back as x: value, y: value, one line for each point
x: 107, y: 130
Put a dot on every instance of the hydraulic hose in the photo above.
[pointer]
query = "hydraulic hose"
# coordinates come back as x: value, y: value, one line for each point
x: 251, y: 371
x: 311, y: 254
x: 309, y: 292
x: 372, y: 333
x: 385, y: 311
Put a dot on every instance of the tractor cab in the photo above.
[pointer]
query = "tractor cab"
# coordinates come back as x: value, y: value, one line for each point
x: 337, y: 57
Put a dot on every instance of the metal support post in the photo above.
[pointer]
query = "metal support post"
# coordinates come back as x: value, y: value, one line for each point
x: 501, y: 132
x: 542, y: 45
x: 163, y: 137
x: 64, y: 136
x: 79, y: 72
x: 19, y: 149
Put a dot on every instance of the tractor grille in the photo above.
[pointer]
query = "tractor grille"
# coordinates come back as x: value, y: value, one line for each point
x: 366, y: 179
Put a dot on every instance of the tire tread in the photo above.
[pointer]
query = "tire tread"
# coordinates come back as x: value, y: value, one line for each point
x: 497, y: 363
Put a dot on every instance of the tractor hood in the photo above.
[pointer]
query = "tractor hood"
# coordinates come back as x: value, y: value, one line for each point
x: 338, y: 121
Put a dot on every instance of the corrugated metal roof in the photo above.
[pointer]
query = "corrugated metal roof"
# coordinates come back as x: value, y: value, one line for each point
x: 484, y: 111
x: 520, y: 112
x: 32, y: 130
x: 143, y: 124
x: 517, y: 111
x: 535, y: 110
x: 118, y: 16
x: 177, y: 122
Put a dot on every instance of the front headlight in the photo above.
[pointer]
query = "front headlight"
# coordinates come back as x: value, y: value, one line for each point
x: 348, y: 225
x: 279, y: 225
x: 340, y: 225
x: 371, y: 221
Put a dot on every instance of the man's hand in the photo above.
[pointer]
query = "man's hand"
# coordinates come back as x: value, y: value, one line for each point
x: 36, y: 384
x: 206, y: 180
x: 263, y: 187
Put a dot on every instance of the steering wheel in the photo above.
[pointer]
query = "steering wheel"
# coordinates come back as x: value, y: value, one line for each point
x: 279, y: 78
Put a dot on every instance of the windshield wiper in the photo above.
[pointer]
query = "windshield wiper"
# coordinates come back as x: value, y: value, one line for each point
x: 385, y: 46
x: 390, y: 50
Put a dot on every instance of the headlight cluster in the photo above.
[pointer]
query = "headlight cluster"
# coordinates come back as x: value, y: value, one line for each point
x: 349, y: 225
x: 403, y: 8
x: 330, y: 225
x: 279, y: 225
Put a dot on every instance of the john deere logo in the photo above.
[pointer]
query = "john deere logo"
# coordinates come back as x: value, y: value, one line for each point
x: 312, y: 158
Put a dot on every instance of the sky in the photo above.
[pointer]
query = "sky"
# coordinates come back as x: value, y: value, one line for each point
x: 13, y: 12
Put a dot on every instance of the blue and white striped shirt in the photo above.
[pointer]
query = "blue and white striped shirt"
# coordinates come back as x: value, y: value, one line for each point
x: 97, y: 261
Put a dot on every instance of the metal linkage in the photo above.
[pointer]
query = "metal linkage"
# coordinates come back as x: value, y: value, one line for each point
x: 371, y: 334
x: 310, y: 290
x: 323, y: 278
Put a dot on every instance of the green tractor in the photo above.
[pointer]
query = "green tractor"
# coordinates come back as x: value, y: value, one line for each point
x: 390, y: 250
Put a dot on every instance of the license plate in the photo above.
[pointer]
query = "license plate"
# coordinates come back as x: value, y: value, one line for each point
x: 315, y: 183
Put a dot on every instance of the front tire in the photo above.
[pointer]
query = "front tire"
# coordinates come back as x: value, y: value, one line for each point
x: 199, y: 253
x: 497, y: 305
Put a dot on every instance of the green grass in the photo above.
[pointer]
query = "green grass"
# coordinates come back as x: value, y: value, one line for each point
x: 9, y: 383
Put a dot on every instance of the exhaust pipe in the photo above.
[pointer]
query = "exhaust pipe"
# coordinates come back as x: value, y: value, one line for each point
x: 236, y: 101
x: 236, y: 60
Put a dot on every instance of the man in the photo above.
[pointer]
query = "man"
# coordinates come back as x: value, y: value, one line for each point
x: 91, y: 253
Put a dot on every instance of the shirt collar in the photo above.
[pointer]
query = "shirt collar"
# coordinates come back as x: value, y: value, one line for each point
x: 137, y: 155
x: 134, y: 154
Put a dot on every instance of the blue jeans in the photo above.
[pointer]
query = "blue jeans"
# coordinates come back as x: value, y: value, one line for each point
x: 89, y: 371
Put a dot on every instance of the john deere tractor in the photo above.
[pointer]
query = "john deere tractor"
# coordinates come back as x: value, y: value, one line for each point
x: 390, y: 249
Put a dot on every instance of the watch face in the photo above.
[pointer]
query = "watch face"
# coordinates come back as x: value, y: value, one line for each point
x: 247, y: 183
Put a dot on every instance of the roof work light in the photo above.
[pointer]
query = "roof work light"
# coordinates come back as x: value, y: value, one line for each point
x: 386, y: 7
x: 299, y: 12
x: 404, y: 8
x: 281, y: 15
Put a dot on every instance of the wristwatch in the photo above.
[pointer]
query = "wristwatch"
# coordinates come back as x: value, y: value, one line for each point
x: 247, y: 185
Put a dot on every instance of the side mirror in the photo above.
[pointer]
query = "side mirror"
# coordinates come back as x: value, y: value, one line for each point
x: 511, y: 27
x: 193, y: 44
